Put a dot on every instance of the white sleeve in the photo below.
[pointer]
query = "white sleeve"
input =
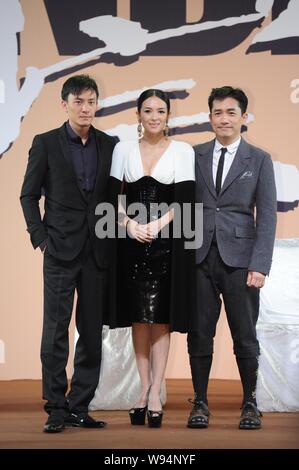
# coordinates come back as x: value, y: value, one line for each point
x: 184, y: 163
x: 118, y: 161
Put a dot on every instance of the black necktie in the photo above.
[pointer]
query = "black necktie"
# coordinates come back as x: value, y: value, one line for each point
x: 220, y: 170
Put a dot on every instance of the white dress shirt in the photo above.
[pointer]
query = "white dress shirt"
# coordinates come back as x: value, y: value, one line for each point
x: 228, y: 158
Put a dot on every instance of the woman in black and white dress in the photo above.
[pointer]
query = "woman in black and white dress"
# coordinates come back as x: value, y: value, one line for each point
x: 155, y: 271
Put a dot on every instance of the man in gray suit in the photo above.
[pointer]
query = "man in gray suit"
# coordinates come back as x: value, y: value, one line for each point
x: 235, y: 183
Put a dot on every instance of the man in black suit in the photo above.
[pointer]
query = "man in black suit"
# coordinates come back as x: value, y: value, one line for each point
x: 71, y: 166
x: 235, y: 183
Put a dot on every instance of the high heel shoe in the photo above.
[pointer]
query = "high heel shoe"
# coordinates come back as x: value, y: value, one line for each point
x: 154, y: 418
x: 137, y: 415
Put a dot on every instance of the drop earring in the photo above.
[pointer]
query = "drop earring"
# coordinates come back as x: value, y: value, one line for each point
x: 166, y: 130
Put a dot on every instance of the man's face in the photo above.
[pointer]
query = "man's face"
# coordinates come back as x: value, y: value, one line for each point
x: 227, y: 119
x: 81, y: 109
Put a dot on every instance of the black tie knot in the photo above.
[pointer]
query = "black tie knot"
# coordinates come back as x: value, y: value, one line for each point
x: 220, y: 170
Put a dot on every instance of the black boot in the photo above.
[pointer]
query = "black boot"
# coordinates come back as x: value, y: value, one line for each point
x: 199, y: 416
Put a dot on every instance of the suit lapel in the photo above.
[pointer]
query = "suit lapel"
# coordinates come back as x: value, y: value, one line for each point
x: 239, y: 164
x: 205, y: 163
x: 102, y: 152
x: 99, y: 161
x: 67, y: 155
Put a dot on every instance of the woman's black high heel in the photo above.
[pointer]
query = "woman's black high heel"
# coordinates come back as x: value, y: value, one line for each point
x: 154, y: 418
x: 137, y: 415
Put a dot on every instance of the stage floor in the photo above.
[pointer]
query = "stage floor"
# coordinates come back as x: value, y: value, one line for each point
x: 22, y: 419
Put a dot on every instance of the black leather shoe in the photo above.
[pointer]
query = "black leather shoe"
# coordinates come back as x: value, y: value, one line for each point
x: 250, y: 417
x: 83, y: 420
x: 55, y: 422
x: 199, y: 416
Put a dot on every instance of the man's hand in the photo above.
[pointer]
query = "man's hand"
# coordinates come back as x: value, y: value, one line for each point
x: 255, y: 279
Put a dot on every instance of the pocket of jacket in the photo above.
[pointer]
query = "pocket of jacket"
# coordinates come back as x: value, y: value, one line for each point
x: 245, y: 232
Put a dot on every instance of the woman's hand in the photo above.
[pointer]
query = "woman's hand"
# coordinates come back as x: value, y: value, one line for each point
x: 138, y: 231
x: 153, y: 228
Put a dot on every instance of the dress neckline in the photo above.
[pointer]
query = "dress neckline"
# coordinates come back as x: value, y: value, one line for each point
x: 155, y: 166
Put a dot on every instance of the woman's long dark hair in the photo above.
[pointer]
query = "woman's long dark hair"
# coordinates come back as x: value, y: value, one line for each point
x: 153, y: 92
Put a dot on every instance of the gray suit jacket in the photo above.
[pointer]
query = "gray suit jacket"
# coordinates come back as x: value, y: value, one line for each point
x: 244, y: 213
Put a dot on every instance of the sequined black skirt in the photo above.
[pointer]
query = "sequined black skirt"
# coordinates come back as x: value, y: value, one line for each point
x: 146, y: 267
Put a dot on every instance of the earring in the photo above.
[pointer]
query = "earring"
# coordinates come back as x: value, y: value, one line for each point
x: 166, y: 130
x: 140, y: 130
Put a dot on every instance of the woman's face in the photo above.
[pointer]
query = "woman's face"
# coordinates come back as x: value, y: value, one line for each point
x: 153, y: 115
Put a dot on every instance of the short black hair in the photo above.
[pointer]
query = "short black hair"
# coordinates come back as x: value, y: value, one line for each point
x: 153, y: 92
x: 76, y: 84
x: 229, y: 92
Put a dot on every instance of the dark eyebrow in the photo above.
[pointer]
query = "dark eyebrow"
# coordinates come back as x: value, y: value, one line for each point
x: 159, y: 109
x: 228, y: 109
x: 81, y: 99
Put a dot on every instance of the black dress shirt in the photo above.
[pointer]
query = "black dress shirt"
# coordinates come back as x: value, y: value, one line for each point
x: 84, y: 158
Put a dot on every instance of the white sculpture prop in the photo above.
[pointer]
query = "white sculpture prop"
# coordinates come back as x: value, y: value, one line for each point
x: 278, y: 332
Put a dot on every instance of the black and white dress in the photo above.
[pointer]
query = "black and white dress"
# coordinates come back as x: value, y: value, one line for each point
x: 147, y: 272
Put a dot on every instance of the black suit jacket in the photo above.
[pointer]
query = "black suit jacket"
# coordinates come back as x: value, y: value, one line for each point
x: 69, y: 215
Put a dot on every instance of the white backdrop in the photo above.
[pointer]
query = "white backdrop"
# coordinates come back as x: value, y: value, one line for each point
x: 278, y: 332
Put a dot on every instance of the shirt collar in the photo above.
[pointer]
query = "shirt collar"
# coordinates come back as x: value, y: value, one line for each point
x: 75, y: 137
x: 231, y: 148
